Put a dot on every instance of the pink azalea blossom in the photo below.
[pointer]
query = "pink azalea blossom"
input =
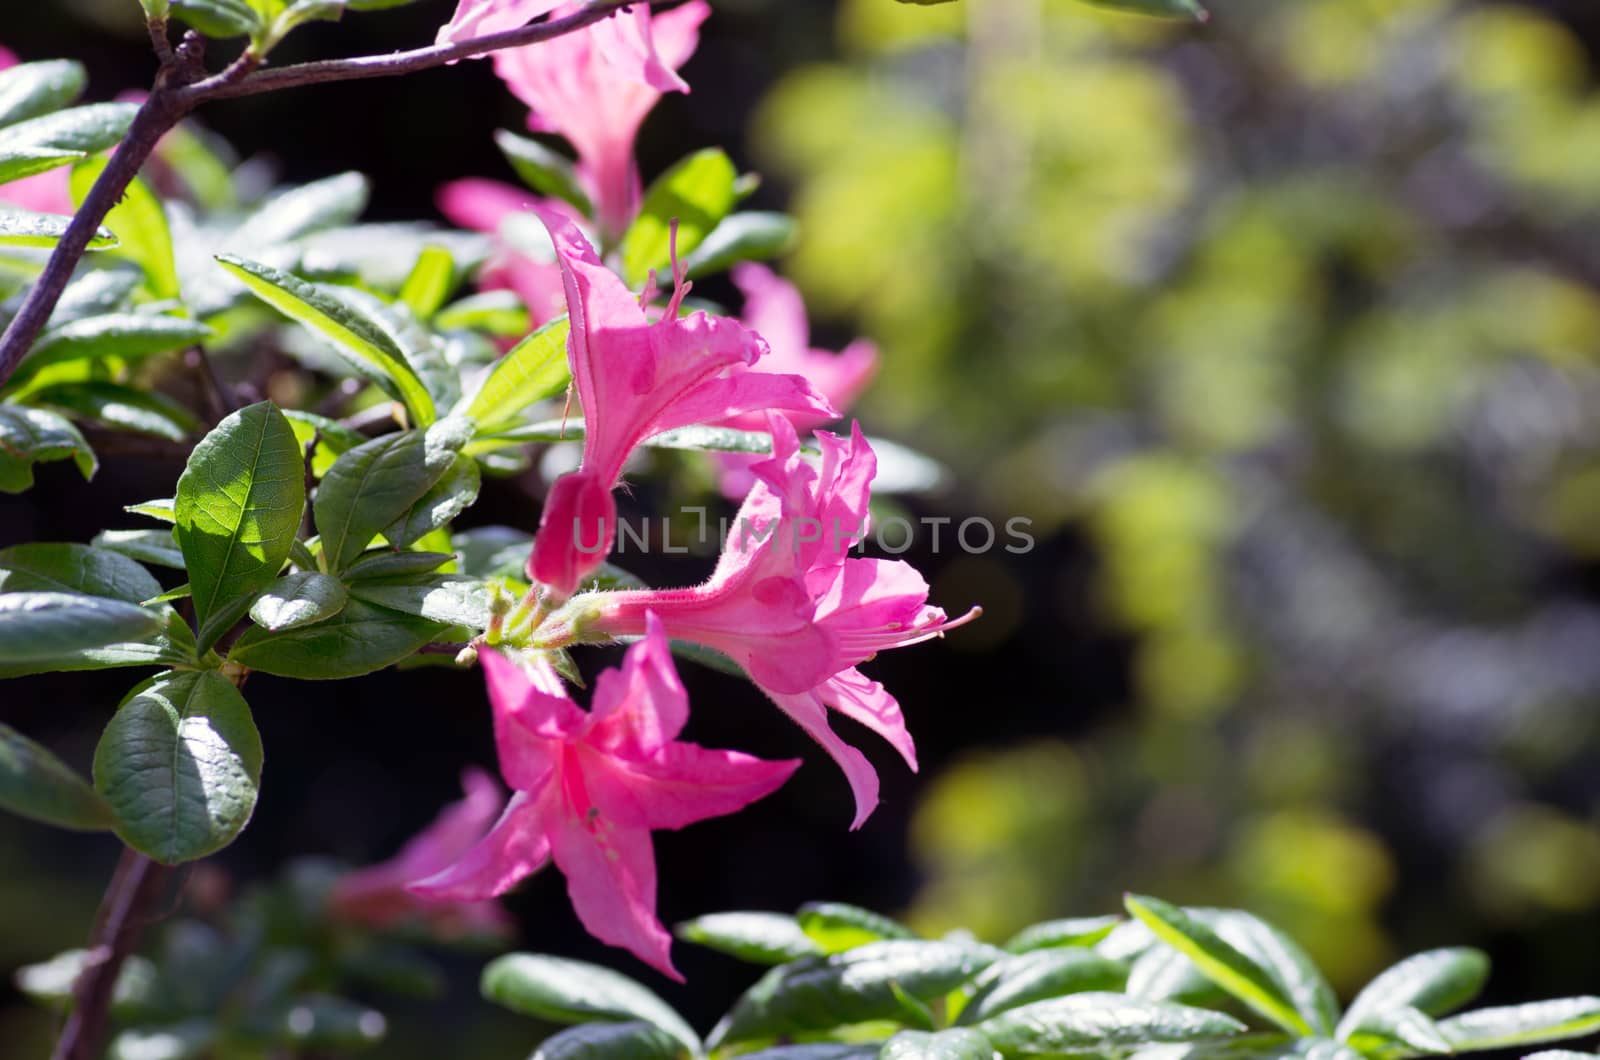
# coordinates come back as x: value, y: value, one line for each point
x: 43, y: 192
x: 479, y: 18
x: 489, y: 206
x: 636, y: 378
x: 591, y: 787
x: 595, y: 88
x: 790, y: 605
x: 377, y: 895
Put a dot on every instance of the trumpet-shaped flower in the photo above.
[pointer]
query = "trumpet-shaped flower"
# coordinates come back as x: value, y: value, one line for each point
x: 591, y: 787
x: 790, y: 606
x: 596, y: 86
x: 478, y: 18
x: 636, y: 378
x: 377, y: 895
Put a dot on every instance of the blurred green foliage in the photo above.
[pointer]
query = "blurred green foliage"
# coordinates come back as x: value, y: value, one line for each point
x: 1294, y: 317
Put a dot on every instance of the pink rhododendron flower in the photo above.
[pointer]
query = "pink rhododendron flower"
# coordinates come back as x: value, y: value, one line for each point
x: 478, y: 18
x: 377, y: 895
x: 591, y: 787
x: 595, y: 88
x: 774, y: 310
x: 636, y: 378
x: 43, y: 192
x: 790, y: 605
x: 487, y: 206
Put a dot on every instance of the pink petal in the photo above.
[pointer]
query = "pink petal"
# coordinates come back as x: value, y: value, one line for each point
x: 863, y: 700
x: 728, y: 396
x: 514, y: 849
x: 807, y: 711
x: 684, y: 783
x: 640, y: 709
x: 773, y: 309
x: 532, y: 714
x: 677, y: 32
x: 576, y: 531
x: 8, y: 58
x: 482, y: 204
x: 611, y: 879
x: 479, y: 18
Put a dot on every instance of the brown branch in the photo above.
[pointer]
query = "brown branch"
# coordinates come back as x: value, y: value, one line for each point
x: 133, y: 888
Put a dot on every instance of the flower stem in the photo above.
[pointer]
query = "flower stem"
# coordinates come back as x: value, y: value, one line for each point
x: 134, y: 886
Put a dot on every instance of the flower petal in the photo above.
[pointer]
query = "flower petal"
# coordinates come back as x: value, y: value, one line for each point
x: 515, y: 848
x: 807, y: 711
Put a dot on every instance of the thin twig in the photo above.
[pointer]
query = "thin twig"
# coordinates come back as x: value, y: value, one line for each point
x: 218, y: 401
x: 121, y: 920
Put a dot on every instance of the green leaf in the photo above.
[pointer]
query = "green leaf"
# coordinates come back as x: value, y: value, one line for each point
x: 697, y: 192
x: 536, y: 368
x: 172, y: 646
x: 453, y: 494
x: 612, y: 1041
x: 20, y: 228
x: 448, y: 598
x: 836, y: 926
x: 359, y: 640
x: 38, y: 626
x: 567, y: 991
x: 132, y: 409
x: 140, y: 223
x: 865, y: 983
x: 238, y: 505
x: 432, y: 280
x: 34, y: 436
x: 219, y: 19
x: 321, y: 1023
x: 696, y: 439
x: 396, y: 564
x: 192, y: 1039
x: 352, y: 333
x: 62, y: 567
x: 53, y: 140
x: 51, y: 982
x: 297, y: 14
x: 125, y: 335
x: 1398, y: 1031
x: 1288, y: 991
x: 760, y: 938
x: 298, y: 600
x: 818, y: 1051
x: 499, y: 314
x: 376, y: 483
x: 297, y: 212
x: 1038, y: 976
x: 160, y: 509
x: 1436, y: 982
x: 543, y: 170
x: 158, y: 547
x: 180, y: 763
x: 955, y: 1044
x: 29, y: 90
x: 1514, y: 1026
x: 36, y: 784
x: 1075, y: 931
x: 1161, y: 973
x: 1161, y: 8
x: 747, y: 236
x: 97, y: 292
x: 1081, y: 1023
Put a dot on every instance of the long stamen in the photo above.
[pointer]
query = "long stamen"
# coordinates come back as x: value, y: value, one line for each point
x: 680, y: 273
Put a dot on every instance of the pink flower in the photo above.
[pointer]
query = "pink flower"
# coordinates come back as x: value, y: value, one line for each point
x: 479, y: 18
x: 490, y: 206
x: 591, y: 787
x: 596, y: 86
x: 636, y: 378
x: 790, y: 606
x: 377, y: 895
x: 43, y: 192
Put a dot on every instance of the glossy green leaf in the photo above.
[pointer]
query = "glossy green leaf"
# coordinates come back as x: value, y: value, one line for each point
x: 378, y: 482
x: 612, y: 1041
x: 36, y: 784
x: 65, y: 567
x: 52, y: 140
x: 156, y: 547
x: 1161, y: 973
x: 1038, y: 976
x: 1161, y: 8
x: 36, y: 626
x: 1435, y: 982
x: 141, y: 411
x: 29, y: 90
x: 125, y: 335
x: 954, y: 1044
x: 219, y: 19
x: 499, y: 314
x: 696, y: 439
x: 19, y: 228
x: 96, y: 293
x: 747, y: 236
x: 544, y: 170
x: 298, y: 599
x: 180, y: 764
x: 36, y: 436
x: 697, y: 193
x: 837, y: 926
x: 297, y: 13
x: 140, y: 223
x: 1514, y: 1026
x: 396, y: 564
x: 432, y: 280
x: 760, y: 938
x: 448, y: 598
x: 865, y: 983
x: 296, y: 212
x: 359, y: 640
x: 350, y: 331
x: 191, y: 1039
x: 567, y: 991
x: 1081, y: 1023
x: 535, y: 369
x: 1074, y: 931
x: 1396, y: 1031
x: 1288, y: 991
x: 239, y: 504
x: 453, y: 494
x: 819, y: 1051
